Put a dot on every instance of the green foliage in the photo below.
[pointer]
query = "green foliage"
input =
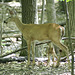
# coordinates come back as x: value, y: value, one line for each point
x: 67, y: 0
x: 64, y: 0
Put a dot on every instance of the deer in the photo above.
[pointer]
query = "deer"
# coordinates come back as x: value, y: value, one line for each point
x: 40, y: 32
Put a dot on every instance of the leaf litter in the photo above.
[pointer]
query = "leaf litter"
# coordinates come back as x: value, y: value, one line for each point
x: 20, y: 68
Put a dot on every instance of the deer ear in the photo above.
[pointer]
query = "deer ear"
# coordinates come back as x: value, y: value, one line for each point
x: 11, y: 12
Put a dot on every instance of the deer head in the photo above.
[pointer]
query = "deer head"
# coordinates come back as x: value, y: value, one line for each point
x: 12, y: 15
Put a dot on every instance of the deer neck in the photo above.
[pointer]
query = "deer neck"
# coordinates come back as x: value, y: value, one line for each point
x: 19, y: 24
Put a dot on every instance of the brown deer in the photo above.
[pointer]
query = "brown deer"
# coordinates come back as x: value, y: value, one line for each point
x: 31, y: 32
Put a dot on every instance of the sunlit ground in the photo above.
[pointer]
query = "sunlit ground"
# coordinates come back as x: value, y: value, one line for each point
x: 19, y: 68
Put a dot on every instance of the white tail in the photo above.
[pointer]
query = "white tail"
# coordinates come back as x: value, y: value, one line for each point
x: 31, y: 32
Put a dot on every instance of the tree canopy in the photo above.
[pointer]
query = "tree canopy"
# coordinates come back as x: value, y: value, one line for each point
x: 64, y: 0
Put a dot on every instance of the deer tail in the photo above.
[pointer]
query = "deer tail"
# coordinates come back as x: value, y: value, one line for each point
x: 62, y: 31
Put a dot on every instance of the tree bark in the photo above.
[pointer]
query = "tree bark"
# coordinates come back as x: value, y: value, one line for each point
x: 29, y: 11
x: 28, y: 16
x: 70, y: 22
x: 51, y: 12
x: 71, y: 18
x: 42, y: 12
x: 71, y: 9
x: 1, y: 24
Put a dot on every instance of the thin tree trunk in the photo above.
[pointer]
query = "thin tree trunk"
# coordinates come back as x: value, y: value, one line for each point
x: 1, y: 24
x: 0, y: 38
x: 42, y: 13
x: 69, y: 35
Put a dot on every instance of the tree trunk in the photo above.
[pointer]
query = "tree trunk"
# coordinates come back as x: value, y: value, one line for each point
x: 71, y: 19
x: 42, y: 12
x: 71, y: 29
x: 29, y: 15
x: 29, y: 11
x: 1, y: 23
x: 51, y: 13
x: 71, y: 9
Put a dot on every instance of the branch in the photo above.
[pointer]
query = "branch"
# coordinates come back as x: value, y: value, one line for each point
x: 13, y: 52
x: 25, y: 48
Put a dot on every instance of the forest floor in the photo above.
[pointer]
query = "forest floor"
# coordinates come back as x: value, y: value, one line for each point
x: 19, y: 68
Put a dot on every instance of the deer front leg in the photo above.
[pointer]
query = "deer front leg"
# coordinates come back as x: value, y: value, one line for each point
x: 54, y: 55
x: 28, y: 44
x: 33, y: 52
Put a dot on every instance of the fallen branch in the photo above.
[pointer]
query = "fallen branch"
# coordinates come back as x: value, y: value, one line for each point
x: 63, y: 58
x: 13, y: 52
x: 66, y: 38
x: 10, y: 59
x: 25, y: 48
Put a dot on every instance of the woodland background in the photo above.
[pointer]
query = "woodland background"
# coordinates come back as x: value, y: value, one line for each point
x: 13, y: 46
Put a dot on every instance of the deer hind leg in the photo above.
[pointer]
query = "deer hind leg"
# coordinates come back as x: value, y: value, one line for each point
x: 55, y: 56
x: 58, y: 60
x: 51, y: 51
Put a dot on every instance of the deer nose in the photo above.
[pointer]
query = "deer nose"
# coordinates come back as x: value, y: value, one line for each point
x: 5, y: 22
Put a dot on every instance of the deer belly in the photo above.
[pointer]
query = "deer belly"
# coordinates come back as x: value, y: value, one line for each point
x: 40, y: 37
